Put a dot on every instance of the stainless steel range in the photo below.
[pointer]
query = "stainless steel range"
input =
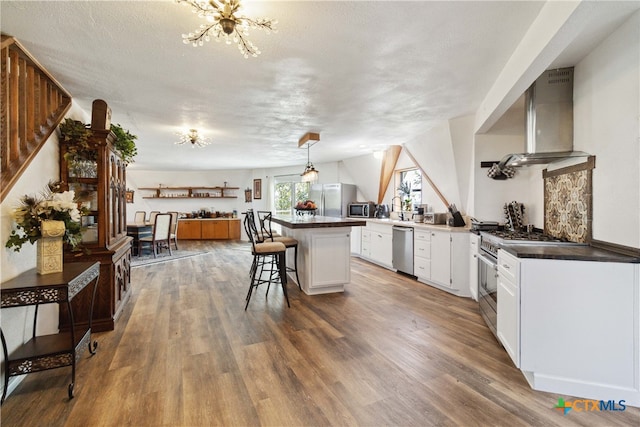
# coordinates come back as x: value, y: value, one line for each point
x: 490, y: 242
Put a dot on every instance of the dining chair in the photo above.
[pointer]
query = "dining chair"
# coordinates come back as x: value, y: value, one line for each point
x: 152, y: 216
x: 160, y: 235
x: 173, y: 235
x: 140, y: 217
x: 268, y: 258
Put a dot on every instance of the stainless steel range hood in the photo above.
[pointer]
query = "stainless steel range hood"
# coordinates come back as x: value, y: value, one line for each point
x: 549, y: 121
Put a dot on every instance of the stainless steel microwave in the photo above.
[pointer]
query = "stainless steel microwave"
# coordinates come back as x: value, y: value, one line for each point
x: 362, y: 210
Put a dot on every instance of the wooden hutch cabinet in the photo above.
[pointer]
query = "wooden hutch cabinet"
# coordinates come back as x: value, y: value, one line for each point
x: 98, y: 176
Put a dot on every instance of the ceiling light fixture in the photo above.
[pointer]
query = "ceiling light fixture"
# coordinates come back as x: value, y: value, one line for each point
x: 224, y: 24
x: 192, y: 137
x: 310, y: 173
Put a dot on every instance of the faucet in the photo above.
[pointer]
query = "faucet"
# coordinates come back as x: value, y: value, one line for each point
x: 401, y: 214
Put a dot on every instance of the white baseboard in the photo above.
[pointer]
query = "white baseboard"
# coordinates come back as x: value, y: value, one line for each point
x: 582, y: 389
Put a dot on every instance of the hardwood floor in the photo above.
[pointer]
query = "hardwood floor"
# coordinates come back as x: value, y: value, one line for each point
x: 388, y: 351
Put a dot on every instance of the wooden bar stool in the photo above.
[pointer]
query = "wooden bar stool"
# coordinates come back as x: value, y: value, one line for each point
x: 289, y: 242
x: 268, y: 257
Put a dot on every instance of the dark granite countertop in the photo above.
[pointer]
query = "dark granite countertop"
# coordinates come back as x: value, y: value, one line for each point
x: 568, y: 252
x: 209, y: 219
x: 308, y: 221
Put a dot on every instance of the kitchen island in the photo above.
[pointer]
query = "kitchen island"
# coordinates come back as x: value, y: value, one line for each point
x: 324, y: 250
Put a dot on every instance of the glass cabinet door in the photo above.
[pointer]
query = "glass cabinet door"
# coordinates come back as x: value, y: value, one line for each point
x: 81, y: 168
x: 87, y: 193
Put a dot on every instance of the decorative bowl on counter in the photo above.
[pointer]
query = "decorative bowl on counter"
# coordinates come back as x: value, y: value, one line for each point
x: 306, y: 211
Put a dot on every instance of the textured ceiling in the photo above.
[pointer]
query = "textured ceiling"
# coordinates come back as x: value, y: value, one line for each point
x: 363, y: 74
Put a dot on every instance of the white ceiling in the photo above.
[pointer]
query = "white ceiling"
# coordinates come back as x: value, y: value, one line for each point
x: 364, y: 74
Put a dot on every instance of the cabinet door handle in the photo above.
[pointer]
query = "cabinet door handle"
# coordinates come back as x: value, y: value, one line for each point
x: 505, y: 266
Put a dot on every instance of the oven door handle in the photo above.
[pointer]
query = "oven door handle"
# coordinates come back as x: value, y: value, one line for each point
x: 493, y: 264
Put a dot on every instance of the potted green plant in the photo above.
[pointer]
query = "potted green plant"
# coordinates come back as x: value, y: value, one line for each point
x: 76, y: 135
x: 125, y: 143
x: 404, y: 189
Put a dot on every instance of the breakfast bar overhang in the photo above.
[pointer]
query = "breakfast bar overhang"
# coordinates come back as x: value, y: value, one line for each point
x: 324, y: 251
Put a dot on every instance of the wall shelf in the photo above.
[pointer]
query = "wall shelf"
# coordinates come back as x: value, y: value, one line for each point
x: 191, y: 192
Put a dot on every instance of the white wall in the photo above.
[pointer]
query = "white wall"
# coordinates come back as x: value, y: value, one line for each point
x: 461, y: 130
x: 607, y: 124
x: 364, y: 171
x: 434, y: 152
x: 490, y: 195
x: 236, y: 178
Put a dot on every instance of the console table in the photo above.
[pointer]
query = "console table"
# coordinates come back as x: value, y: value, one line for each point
x: 49, y: 351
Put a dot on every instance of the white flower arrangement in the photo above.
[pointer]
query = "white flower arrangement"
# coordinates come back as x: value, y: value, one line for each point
x: 54, y: 204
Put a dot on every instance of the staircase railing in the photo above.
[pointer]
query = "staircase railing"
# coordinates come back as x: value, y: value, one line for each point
x: 33, y: 104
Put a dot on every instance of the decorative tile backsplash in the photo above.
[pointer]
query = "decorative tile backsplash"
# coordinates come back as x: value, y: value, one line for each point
x: 568, y: 204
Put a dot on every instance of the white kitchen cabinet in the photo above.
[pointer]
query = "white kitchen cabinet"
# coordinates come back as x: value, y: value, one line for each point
x: 441, y: 258
x: 509, y: 304
x: 326, y: 271
x: 356, y: 240
x: 440, y: 254
x: 459, y: 264
x: 422, y: 254
x: 382, y: 245
x: 579, y: 329
x: 365, y: 248
x: 474, y: 247
x: 324, y: 258
x: 377, y: 243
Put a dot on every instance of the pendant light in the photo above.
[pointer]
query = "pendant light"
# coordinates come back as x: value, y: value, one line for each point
x: 310, y: 173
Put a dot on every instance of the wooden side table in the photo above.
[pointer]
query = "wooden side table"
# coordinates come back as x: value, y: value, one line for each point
x: 56, y: 350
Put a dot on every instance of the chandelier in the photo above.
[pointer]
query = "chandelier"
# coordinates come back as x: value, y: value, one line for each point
x: 223, y: 23
x: 310, y: 173
x: 192, y: 137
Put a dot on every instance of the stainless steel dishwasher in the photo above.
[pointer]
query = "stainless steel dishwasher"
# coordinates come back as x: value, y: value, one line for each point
x: 403, y: 249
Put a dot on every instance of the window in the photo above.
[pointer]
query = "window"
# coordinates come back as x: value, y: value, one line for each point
x: 409, y: 188
x: 288, y: 191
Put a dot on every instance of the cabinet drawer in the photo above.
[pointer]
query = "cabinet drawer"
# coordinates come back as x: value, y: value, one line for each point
x: 422, y: 267
x: 422, y: 249
x: 509, y: 266
x: 421, y: 236
x: 365, y: 251
x: 366, y: 236
x: 380, y: 228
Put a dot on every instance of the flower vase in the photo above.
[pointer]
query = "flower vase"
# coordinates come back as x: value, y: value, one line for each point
x: 49, y: 247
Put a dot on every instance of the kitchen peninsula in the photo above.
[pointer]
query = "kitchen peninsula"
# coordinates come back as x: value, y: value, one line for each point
x: 324, y: 258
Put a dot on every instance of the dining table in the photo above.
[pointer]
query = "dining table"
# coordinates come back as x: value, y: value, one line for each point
x: 138, y: 230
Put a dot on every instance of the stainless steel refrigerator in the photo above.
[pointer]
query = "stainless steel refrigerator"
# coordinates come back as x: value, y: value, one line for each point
x: 333, y: 199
